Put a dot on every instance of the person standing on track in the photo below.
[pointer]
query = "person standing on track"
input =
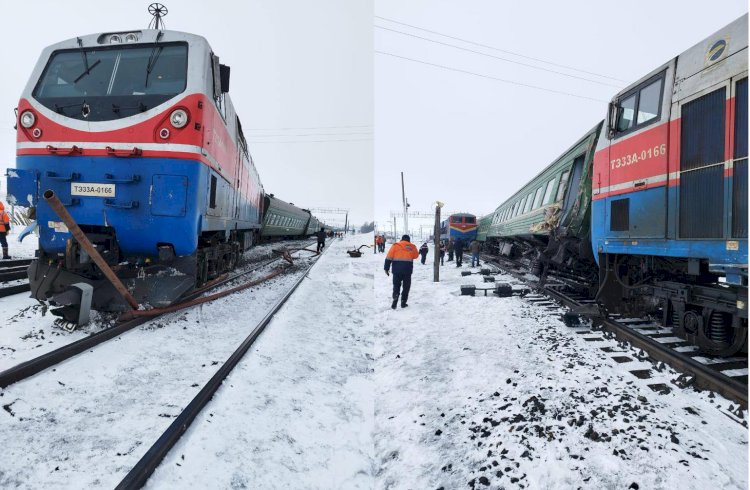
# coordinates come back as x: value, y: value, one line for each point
x: 475, y: 247
x: 382, y: 243
x: 321, y: 239
x: 442, y: 253
x: 423, y: 252
x: 401, y: 256
x: 4, y: 229
x: 458, y: 247
x: 450, y: 250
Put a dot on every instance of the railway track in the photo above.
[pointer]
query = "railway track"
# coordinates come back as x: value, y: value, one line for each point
x: 38, y: 364
x: 725, y: 376
x: 142, y: 471
x: 11, y: 271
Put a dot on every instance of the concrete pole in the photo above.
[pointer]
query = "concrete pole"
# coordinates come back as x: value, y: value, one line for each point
x: 406, y: 206
x: 436, y: 267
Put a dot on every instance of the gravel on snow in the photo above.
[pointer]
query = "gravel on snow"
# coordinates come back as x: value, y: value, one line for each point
x: 484, y: 392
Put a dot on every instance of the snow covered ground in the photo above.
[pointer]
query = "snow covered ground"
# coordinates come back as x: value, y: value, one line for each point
x: 340, y: 391
x: 297, y: 412
x: 85, y: 423
x: 24, y: 249
x: 486, y: 392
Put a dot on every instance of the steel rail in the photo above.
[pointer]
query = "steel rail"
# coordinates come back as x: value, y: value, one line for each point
x: 11, y: 290
x: 34, y: 366
x: 704, y: 376
x: 142, y: 471
x: 5, y: 264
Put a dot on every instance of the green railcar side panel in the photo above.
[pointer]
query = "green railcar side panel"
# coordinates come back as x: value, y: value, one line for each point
x: 536, y: 222
x: 484, y: 227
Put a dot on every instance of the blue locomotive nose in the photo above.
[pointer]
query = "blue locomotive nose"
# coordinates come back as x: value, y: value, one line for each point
x: 145, y: 202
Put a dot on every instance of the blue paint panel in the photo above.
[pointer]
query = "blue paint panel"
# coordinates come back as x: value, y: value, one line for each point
x: 129, y: 212
x: 604, y: 241
x: 23, y: 187
x: 169, y: 195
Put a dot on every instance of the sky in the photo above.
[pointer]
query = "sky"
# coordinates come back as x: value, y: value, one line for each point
x: 301, y: 83
x: 472, y: 141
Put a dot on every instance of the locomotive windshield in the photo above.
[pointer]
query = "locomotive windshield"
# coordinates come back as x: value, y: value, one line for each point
x: 114, y: 82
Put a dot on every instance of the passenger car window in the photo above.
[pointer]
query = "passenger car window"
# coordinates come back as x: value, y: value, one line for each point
x: 648, y: 103
x: 548, y: 191
x: 538, y: 198
x: 563, y: 184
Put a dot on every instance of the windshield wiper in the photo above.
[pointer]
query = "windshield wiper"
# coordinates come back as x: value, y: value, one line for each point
x: 153, y: 57
x: 141, y: 107
x: 88, y: 70
x: 85, y: 61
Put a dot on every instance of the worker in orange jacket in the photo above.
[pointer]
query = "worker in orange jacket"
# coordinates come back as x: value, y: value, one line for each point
x: 401, y: 257
x: 4, y: 230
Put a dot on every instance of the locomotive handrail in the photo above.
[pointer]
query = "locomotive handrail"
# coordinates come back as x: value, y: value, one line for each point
x: 112, y: 204
x: 135, y: 152
x: 54, y: 176
x: 65, y: 151
x: 111, y: 178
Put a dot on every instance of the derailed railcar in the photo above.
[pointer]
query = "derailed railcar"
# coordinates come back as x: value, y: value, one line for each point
x: 283, y: 220
x: 670, y: 196
x: 548, y: 220
x: 484, y: 227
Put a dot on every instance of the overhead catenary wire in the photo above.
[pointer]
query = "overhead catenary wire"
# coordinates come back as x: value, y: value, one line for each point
x: 499, y: 57
x: 467, y: 72
x: 500, y: 50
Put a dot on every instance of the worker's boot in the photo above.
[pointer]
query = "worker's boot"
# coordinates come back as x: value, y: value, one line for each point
x: 5, y: 253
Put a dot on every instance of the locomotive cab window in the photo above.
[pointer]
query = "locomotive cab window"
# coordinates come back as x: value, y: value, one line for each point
x: 640, y: 106
x: 470, y: 220
x: 103, y: 84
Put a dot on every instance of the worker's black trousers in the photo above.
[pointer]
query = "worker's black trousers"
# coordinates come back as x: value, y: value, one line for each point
x: 398, y: 280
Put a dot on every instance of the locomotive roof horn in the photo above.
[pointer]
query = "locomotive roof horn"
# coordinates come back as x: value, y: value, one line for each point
x: 157, y: 10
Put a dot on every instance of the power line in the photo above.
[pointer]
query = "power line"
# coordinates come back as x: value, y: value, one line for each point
x: 498, y: 57
x: 491, y: 77
x: 318, y: 127
x: 500, y: 50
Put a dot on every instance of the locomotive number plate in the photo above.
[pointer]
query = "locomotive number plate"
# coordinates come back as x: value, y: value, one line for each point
x: 92, y: 189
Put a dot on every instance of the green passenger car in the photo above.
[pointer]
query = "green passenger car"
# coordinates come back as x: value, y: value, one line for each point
x: 555, y: 203
x: 282, y: 219
x: 484, y: 227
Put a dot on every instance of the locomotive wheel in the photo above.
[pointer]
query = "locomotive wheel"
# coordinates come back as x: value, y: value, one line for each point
x: 718, y: 337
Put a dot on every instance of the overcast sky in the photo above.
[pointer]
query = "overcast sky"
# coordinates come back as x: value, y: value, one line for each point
x: 301, y: 82
x: 472, y: 141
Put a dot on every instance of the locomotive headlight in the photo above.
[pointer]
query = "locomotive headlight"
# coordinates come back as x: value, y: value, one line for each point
x: 28, y: 119
x: 178, y: 118
x: 115, y: 39
x: 131, y: 37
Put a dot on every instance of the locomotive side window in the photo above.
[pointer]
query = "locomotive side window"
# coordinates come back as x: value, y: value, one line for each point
x: 627, y: 111
x: 212, y: 194
x: 640, y: 106
x: 648, y: 102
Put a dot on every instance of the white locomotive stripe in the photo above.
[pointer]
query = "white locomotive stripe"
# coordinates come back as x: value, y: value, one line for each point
x: 656, y: 178
x: 119, y: 146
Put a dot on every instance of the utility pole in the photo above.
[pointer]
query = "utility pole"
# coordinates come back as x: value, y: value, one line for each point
x: 346, y: 223
x: 406, y: 206
x: 436, y: 267
x: 395, y: 230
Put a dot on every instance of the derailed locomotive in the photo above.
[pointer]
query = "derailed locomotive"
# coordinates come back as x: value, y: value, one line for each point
x: 649, y: 208
x: 137, y: 136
